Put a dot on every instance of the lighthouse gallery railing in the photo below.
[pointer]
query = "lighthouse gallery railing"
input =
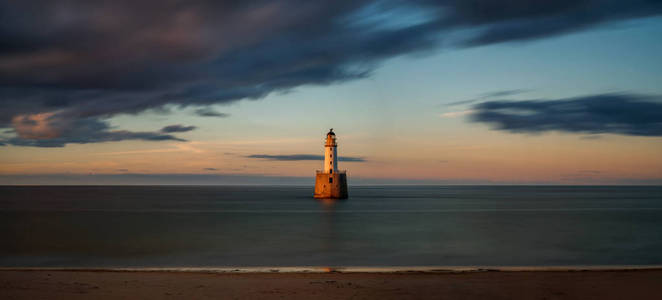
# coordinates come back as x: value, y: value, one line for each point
x: 338, y: 172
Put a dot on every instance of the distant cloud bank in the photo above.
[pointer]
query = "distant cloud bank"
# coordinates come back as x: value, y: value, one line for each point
x: 49, y: 130
x: 625, y: 114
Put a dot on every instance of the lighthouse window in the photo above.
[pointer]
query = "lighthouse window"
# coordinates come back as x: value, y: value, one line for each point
x: 330, y: 179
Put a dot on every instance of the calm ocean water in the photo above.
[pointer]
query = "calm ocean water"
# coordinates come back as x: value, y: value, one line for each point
x: 172, y: 226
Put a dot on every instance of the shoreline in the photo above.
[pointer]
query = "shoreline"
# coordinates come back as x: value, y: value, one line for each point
x: 474, y: 283
x: 349, y: 269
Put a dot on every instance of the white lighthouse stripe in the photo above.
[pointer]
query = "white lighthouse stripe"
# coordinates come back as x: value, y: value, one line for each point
x: 330, y: 155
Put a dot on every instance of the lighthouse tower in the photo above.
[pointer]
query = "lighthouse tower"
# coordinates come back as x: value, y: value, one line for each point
x: 330, y: 182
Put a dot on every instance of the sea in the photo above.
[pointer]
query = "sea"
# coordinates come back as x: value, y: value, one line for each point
x: 225, y: 226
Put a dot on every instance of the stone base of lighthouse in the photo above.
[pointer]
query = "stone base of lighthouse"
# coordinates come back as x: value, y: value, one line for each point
x: 331, y: 185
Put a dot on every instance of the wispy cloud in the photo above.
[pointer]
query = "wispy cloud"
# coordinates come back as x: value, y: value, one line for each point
x: 177, y: 128
x: 503, y: 93
x: 179, y: 147
x: 295, y: 157
x: 455, y: 114
x: 486, y: 96
x: 208, y: 112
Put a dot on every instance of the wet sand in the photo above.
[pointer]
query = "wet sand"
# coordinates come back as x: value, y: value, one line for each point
x: 57, y: 284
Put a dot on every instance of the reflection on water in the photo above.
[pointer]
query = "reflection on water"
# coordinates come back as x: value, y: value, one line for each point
x: 330, y: 236
x: 328, y: 204
x: 285, y: 226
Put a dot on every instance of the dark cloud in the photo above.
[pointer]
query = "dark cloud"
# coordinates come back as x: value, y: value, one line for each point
x: 521, y: 20
x: 210, y: 169
x: 177, y: 128
x: 294, y: 157
x: 625, y: 114
x: 351, y: 159
x: 51, y: 130
x: 91, y: 60
x: 208, y: 112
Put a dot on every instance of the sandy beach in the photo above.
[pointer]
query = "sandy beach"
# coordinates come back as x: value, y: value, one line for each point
x: 58, y: 284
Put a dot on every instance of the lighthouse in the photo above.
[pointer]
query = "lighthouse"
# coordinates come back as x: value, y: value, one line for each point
x: 330, y: 182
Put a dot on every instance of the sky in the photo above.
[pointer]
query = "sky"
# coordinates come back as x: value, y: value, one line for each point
x: 418, y: 92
